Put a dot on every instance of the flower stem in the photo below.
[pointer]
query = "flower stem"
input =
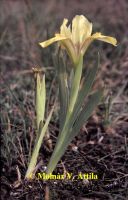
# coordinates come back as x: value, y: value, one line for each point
x: 62, y: 138
x: 75, y: 85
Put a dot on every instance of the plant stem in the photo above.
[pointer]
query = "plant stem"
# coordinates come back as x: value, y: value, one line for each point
x: 75, y: 85
x: 67, y: 125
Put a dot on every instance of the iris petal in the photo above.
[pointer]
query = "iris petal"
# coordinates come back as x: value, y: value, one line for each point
x: 81, y: 29
x: 97, y: 36
x: 64, y: 30
x: 76, y: 39
x: 57, y: 37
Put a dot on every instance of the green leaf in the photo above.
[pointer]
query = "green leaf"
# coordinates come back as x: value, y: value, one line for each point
x: 33, y: 161
x: 86, y: 111
x: 63, y: 90
x: 87, y: 85
x: 40, y: 99
x: 73, y: 97
x: 75, y: 85
x: 83, y: 93
x: 68, y: 135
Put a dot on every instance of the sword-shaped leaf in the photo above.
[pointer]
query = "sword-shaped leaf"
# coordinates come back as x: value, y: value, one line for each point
x: 63, y: 90
x: 83, y: 93
x: 40, y: 99
x: 67, y: 136
x: 33, y: 161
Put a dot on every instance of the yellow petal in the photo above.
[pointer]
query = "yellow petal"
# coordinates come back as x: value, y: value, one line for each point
x: 68, y: 45
x: 64, y: 30
x: 57, y: 37
x: 81, y: 29
x: 99, y: 36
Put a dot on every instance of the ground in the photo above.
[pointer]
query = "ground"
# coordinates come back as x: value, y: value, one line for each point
x: 102, y: 144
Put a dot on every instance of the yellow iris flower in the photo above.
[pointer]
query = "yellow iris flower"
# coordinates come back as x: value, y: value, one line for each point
x: 77, y: 38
